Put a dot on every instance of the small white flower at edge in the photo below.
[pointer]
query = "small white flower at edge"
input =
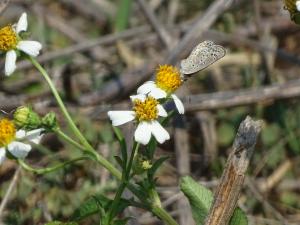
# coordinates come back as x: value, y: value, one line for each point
x: 151, y: 89
x: 19, y: 149
x: 31, y: 48
x: 145, y: 128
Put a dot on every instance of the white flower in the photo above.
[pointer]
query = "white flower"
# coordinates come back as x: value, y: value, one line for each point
x: 13, y: 142
x: 146, y: 111
x: 298, y: 5
x: 153, y: 90
x: 11, y: 42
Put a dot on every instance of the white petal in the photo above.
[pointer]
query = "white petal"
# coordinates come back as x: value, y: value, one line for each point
x: 141, y: 97
x: 160, y: 134
x: 142, y: 133
x: 22, y: 23
x: 178, y: 103
x: 19, y: 149
x: 158, y: 93
x: 20, y: 134
x: 161, y: 111
x: 146, y: 87
x: 298, y: 5
x: 120, y: 117
x: 10, y: 62
x: 35, y: 136
x: 30, y: 47
x: 2, y: 155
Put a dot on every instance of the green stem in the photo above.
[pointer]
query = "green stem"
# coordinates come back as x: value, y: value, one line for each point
x: 65, y: 137
x: 162, y: 214
x: 125, y: 181
x: 72, y: 125
x: 49, y: 169
x: 61, y: 104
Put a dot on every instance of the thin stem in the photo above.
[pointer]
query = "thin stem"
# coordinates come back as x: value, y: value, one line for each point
x: 61, y: 104
x: 160, y: 212
x: 64, y: 136
x: 72, y: 125
x: 123, y: 185
x: 49, y: 169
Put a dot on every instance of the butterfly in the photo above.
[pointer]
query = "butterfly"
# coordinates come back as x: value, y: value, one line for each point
x: 203, y: 55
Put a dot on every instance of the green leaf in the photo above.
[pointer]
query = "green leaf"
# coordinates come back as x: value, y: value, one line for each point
x: 95, y: 204
x: 91, y: 206
x: 200, y: 199
x: 122, y: 17
x: 156, y: 165
x: 238, y: 218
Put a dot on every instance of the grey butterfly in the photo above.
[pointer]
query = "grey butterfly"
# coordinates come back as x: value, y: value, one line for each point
x: 203, y: 55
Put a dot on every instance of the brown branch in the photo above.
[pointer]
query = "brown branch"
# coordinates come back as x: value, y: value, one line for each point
x: 231, y: 182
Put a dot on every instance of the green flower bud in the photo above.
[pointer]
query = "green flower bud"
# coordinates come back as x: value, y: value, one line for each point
x: 26, y: 118
x: 49, y: 121
x: 141, y: 164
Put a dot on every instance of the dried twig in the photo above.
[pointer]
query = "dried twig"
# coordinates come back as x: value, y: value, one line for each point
x: 9, y: 192
x: 232, y: 180
x: 161, y: 31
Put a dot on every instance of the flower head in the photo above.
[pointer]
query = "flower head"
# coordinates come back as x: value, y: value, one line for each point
x: 146, y: 111
x: 12, y: 140
x: 11, y: 43
x: 167, y: 81
x: 168, y: 78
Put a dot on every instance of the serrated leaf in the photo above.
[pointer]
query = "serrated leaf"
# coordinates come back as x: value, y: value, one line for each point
x: 200, y: 199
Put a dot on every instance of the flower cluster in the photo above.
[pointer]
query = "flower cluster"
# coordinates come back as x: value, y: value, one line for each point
x: 147, y: 106
x: 12, y: 43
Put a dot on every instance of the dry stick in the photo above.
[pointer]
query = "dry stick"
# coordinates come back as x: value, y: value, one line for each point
x: 9, y: 192
x: 225, y: 99
x: 231, y: 182
x: 159, y: 29
x: 202, y: 24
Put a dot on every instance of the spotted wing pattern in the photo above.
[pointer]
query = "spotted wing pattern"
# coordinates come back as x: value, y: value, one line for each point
x: 203, y: 55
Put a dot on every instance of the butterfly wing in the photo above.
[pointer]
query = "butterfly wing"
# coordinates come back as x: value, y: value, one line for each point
x: 203, y: 55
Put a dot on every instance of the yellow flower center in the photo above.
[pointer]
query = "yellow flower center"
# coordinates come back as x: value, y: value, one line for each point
x: 146, y: 110
x: 8, y: 38
x: 168, y: 78
x: 7, y: 132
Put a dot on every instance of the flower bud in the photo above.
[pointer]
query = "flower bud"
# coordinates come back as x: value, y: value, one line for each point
x: 49, y: 121
x: 141, y: 164
x: 26, y: 118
